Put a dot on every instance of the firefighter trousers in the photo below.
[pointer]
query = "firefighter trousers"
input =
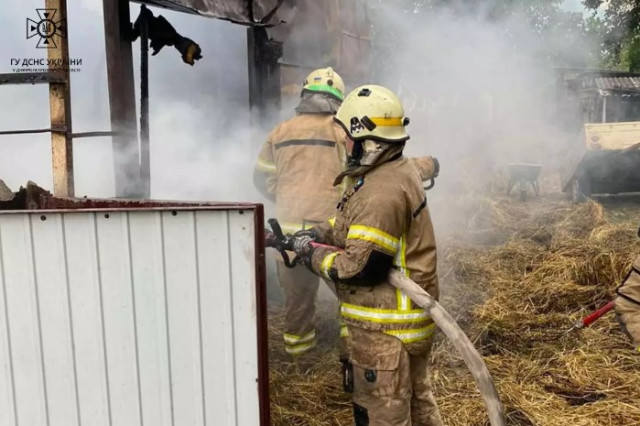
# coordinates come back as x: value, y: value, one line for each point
x: 393, y: 394
x: 300, y: 288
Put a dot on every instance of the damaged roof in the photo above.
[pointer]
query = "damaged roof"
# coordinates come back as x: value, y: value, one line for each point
x: 607, y: 83
x: 247, y: 12
x: 617, y: 83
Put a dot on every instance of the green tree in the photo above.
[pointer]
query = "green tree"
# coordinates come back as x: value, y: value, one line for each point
x: 621, y: 32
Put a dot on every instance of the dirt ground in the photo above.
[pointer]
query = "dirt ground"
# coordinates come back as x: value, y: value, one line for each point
x: 515, y: 276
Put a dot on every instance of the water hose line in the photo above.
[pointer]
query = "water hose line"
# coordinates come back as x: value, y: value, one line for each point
x: 440, y: 316
x: 454, y: 333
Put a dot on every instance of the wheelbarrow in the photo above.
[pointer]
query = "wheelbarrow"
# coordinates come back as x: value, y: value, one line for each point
x: 523, y: 175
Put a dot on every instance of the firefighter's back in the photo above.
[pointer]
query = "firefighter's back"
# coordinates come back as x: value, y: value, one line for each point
x: 308, y: 157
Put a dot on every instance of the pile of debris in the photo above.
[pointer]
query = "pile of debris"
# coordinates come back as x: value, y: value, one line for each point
x: 26, y: 198
x: 553, y: 264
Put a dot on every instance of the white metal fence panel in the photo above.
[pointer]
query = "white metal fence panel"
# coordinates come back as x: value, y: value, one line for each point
x: 126, y: 318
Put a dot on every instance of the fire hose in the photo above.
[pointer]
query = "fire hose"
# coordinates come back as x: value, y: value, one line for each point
x: 440, y: 316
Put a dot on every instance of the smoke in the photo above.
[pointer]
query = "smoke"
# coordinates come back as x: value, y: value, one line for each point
x: 478, y: 88
x: 202, y: 145
x: 475, y: 85
x: 478, y: 83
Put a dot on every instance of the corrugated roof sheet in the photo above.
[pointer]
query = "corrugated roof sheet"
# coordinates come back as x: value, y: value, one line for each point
x: 251, y: 12
x: 132, y: 293
x: 617, y: 83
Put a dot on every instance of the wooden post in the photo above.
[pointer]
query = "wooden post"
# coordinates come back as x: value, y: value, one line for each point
x: 60, y: 105
x: 264, y: 72
x: 145, y: 159
x: 254, y: 83
x: 122, y: 102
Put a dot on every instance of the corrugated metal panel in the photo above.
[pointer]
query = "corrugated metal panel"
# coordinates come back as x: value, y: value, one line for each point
x: 623, y: 83
x: 130, y: 318
x: 249, y: 12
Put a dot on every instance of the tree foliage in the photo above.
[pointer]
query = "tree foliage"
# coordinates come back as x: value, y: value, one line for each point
x: 620, y: 28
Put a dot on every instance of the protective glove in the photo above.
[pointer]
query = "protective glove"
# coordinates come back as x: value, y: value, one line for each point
x: 303, y: 248
x: 305, y: 233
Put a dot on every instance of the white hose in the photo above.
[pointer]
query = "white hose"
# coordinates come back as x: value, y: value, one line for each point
x: 452, y: 330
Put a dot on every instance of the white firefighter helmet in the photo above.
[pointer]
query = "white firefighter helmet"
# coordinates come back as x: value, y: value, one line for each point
x: 324, y: 80
x: 375, y: 113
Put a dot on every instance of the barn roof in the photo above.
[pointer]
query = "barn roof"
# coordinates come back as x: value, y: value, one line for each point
x: 247, y: 12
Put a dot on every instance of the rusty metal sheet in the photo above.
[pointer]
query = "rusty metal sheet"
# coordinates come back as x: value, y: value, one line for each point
x: 30, y: 78
x: 59, y: 203
x: 315, y: 33
x: 248, y: 12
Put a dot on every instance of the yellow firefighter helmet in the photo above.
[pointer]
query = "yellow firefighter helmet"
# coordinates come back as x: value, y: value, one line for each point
x: 324, y: 80
x: 375, y: 113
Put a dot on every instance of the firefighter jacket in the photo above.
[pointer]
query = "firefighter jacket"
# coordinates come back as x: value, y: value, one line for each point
x: 628, y: 304
x: 427, y: 166
x: 296, y: 168
x: 382, y: 222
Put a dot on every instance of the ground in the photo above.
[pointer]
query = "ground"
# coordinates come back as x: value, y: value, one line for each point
x: 515, y: 276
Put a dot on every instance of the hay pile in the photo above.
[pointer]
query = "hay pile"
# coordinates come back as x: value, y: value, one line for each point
x: 307, y: 392
x: 552, y: 264
x: 559, y: 265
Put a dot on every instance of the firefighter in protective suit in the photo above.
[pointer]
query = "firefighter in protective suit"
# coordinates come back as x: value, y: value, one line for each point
x: 628, y: 303
x: 382, y: 222
x: 296, y: 168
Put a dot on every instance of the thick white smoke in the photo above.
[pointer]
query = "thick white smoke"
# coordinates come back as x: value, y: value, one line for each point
x: 473, y: 87
x: 202, y: 146
x: 479, y: 87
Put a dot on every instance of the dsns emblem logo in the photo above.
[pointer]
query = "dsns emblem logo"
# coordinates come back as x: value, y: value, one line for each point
x: 46, y: 28
x: 356, y: 126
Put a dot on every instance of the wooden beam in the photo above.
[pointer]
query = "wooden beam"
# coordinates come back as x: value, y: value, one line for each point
x: 30, y: 78
x: 145, y: 156
x: 60, y: 107
x: 23, y: 132
x: 264, y: 72
x: 122, y: 102
x: 97, y: 134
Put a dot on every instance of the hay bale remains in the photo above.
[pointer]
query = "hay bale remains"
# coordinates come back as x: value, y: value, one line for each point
x: 557, y: 263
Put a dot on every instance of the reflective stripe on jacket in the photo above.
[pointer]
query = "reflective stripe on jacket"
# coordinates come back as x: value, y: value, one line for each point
x: 384, y: 218
x: 297, y: 166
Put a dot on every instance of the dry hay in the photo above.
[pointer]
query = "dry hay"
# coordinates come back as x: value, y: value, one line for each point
x: 306, y: 391
x: 559, y: 263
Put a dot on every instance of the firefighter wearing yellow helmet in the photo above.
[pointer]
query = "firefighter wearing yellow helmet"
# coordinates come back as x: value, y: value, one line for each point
x: 296, y: 168
x: 324, y: 80
x: 382, y: 222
